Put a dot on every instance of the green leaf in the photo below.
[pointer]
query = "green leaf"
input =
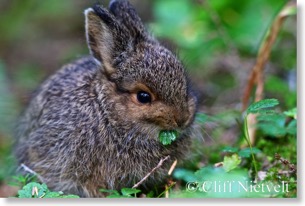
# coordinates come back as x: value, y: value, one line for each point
x: 59, y: 195
x: 205, y: 173
x: 230, y: 149
x: 36, y: 190
x: 291, y: 113
x: 151, y: 194
x: 22, y: 180
x: 184, y: 174
x: 115, y: 192
x: 247, y: 152
x: 126, y: 192
x: 53, y: 194
x: 24, y: 194
x: 27, y: 190
x: 263, y: 104
x: 115, y: 196
x: 208, y: 176
x: 231, y: 162
x: 292, y: 127
x: 272, y: 125
x: 272, y: 130
x: 166, y: 137
x: 129, y: 191
x: 276, y: 118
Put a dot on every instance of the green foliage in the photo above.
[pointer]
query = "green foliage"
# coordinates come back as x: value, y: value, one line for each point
x: 231, y: 162
x: 260, y: 105
x: 8, y: 160
x: 230, y: 149
x: 290, y: 182
x: 291, y: 113
x: 14, y: 19
x: 247, y: 152
x: 185, y: 175
x: 230, y: 181
x: 272, y: 125
x: 196, y: 30
x: 167, y: 137
x: 239, y: 163
x: 22, y: 180
x: 125, y: 193
x: 36, y: 190
x: 214, y: 182
x: 281, y: 90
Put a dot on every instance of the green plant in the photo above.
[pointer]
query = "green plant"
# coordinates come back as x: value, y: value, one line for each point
x: 167, y: 137
x: 124, y: 193
x: 37, y: 190
x: 260, y: 107
x: 239, y: 161
x: 22, y: 180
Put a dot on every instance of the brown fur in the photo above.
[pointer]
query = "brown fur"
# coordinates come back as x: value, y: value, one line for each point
x: 84, y: 129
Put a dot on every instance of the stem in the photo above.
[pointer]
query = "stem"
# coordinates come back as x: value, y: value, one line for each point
x: 247, y: 137
x: 168, y: 188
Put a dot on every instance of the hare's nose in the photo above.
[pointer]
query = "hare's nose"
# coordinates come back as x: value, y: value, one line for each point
x: 180, y: 120
x: 172, y: 124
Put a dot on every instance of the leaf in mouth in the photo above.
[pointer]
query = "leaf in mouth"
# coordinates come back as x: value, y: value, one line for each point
x: 166, y: 137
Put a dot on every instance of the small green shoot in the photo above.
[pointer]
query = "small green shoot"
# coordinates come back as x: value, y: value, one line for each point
x: 263, y: 107
x: 22, y: 180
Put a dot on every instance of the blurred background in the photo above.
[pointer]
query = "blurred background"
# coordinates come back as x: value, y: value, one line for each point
x: 217, y: 40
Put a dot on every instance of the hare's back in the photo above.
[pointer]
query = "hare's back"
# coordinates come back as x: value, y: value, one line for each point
x: 61, y: 100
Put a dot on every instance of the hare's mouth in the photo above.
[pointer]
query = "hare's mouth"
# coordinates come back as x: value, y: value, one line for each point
x: 166, y: 137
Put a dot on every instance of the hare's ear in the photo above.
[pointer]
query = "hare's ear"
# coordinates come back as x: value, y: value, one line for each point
x: 106, y: 38
x: 127, y: 15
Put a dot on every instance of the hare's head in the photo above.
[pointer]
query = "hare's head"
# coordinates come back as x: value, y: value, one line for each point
x: 150, y: 87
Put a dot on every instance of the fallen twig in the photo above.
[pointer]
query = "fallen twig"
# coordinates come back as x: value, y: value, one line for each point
x: 172, y: 167
x: 148, y: 174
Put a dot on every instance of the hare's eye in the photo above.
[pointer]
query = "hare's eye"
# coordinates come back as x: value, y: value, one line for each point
x: 143, y: 97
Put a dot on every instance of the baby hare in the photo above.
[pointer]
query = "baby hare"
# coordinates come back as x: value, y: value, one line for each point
x: 96, y: 122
